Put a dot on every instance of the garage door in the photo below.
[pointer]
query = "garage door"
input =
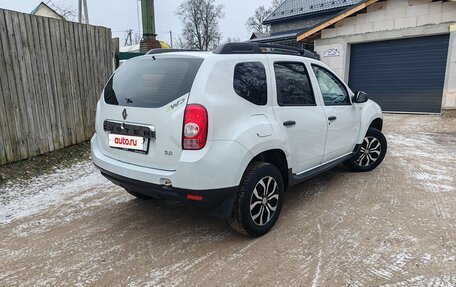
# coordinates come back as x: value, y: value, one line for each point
x: 404, y: 75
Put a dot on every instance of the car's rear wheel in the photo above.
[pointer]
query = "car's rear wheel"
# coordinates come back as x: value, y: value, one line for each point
x: 138, y: 195
x: 371, y: 153
x: 259, y: 200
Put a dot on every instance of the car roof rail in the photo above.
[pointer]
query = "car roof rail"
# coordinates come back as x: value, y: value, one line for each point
x: 260, y: 48
x: 164, y: 50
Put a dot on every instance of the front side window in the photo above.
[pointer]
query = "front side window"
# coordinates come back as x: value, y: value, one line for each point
x: 332, y: 89
x: 250, y: 82
x: 293, y: 85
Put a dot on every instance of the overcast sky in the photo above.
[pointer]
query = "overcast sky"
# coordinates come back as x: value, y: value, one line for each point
x: 120, y: 15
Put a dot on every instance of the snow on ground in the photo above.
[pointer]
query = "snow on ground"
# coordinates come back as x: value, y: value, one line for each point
x: 19, y: 200
x: 429, y: 153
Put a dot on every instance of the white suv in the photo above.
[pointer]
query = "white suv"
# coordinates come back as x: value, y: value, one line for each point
x: 230, y: 130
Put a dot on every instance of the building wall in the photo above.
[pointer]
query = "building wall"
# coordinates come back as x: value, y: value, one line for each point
x: 394, y: 19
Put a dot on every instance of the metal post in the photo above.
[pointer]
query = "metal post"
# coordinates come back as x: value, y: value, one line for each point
x: 139, y: 19
x: 86, y: 12
x: 80, y: 11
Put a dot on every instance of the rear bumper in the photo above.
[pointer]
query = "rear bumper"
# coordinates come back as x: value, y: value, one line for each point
x: 211, y: 169
x: 212, y: 199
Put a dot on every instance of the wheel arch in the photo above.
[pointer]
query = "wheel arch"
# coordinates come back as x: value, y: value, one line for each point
x: 276, y: 157
x: 377, y: 124
x: 371, y: 116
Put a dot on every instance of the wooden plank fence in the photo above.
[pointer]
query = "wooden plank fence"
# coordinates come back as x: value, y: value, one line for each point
x: 52, y: 73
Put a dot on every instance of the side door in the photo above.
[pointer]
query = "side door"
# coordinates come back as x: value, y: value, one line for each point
x: 343, y: 117
x: 299, y: 114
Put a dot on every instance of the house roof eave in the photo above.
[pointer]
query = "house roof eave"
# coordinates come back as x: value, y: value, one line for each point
x: 338, y: 17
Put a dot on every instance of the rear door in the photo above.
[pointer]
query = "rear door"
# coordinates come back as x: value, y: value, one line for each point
x: 141, y: 113
x: 302, y: 119
x: 343, y: 118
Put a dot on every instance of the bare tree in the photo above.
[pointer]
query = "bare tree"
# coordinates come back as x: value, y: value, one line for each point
x: 255, y: 23
x: 200, y: 19
x: 275, y: 4
x: 68, y: 12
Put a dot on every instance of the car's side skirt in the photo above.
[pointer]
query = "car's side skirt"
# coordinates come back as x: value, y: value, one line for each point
x: 298, y: 178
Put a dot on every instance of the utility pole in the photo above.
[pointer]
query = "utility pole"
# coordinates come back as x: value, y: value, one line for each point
x: 83, y: 12
x: 129, y: 38
x: 171, y: 38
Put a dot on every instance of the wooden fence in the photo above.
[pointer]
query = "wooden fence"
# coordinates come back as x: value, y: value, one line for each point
x: 52, y: 73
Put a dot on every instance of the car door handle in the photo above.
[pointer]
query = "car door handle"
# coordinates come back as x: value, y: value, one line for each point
x: 332, y: 119
x: 289, y: 123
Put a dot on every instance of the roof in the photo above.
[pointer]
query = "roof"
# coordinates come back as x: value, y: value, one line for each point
x: 49, y: 9
x: 307, y: 24
x: 256, y: 35
x: 279, y: 36
x: 136, y: 48
x: 301, y: 8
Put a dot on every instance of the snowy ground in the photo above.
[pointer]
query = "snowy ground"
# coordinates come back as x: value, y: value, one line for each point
x: 395, y: 226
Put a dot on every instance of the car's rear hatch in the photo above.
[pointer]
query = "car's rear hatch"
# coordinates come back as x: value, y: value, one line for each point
x: 140, y: 116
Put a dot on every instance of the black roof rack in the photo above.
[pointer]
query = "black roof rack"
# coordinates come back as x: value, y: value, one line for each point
x: 163, y: 50
x: 260, y: 48
x: 247, y: 48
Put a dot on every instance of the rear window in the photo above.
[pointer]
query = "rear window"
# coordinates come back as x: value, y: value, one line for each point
x: 151, y: 82
x: 293, y: 85
x: 250, y: 82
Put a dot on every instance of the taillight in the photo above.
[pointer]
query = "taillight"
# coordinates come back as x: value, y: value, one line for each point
x: 194, y: 135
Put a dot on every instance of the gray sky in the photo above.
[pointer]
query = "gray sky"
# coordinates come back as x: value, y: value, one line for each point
x: 120, y: 15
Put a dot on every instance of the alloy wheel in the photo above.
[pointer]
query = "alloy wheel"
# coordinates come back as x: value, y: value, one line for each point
x: 264, y: 201
x: 370, y: 152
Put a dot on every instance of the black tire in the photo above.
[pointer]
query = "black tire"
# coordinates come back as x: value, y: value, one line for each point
x: 138, y: 195
x: 371, y: 153
x: 266, y: 206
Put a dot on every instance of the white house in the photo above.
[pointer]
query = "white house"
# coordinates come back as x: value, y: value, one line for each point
x: 45, y: 11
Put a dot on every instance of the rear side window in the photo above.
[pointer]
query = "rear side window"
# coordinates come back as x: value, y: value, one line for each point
x: 148, y: 83
x: 250, y: 82
x: 293, y: 85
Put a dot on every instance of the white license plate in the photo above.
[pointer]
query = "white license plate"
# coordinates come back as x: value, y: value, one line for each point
x: 127, y: 142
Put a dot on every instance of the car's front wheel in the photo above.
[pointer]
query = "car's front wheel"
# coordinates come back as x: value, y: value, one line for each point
x: 371, y: 153
x: 259, y: 200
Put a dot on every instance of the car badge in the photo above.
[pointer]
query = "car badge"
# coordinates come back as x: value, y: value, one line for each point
x: 124, y: 114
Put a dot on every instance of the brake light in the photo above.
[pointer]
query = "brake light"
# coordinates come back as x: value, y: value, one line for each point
x: 194, y: 135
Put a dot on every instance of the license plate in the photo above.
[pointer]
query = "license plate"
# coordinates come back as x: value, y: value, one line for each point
x: 128, y: 142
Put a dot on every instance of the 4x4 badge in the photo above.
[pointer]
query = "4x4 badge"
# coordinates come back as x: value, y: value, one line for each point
x: 124, y: 114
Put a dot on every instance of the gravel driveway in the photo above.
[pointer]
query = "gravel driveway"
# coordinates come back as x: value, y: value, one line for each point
x: 395, y: 226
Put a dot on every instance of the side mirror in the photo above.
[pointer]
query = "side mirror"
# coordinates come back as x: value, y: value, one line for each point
x: 360, y: 97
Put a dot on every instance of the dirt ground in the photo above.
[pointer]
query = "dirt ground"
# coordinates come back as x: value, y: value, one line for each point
x: 395, y: 226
